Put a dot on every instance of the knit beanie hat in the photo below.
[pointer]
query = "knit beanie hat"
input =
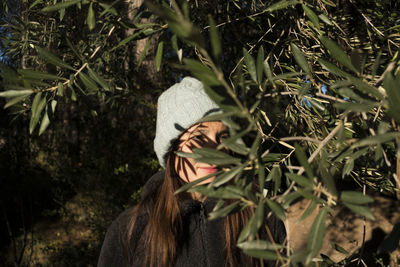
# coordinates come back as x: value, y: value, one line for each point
x: 180, y: 107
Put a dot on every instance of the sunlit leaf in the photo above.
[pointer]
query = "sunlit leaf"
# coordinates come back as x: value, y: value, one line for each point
x: 60, y: 5
x: 354, y: 197
x: 309, y: 210
x: 159, y: 55
x: 277, y: 209
x: 299, y: 179
x: 224, y: 211
x: 45, y: 122
x: 261, y: 254
x: 362, y: 210
x: 259, y: 244
x: 377, y: 139
x: 15, y: 100
x: 15, y: 93
x: 38, y: 105
x: 311, y: 15
x: 317, y: 232
x: 227, y: 176
x: 187, y: 186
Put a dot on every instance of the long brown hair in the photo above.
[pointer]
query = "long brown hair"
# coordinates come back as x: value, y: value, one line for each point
x: 163, y: 231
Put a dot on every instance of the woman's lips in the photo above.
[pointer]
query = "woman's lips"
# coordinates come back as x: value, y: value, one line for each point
x: 209, y: 170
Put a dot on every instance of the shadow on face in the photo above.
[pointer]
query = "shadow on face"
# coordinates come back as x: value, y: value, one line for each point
x: 201, y: 135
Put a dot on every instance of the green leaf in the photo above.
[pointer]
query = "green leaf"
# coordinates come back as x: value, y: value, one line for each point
x: 259, y: 244
x: 262, y: 254
x: 220, y: 193
x: 89, y: 83
x: 311, y: 15
x: 217, y: 117
x: 332, y: 68
x: 133, y: 36
x: 337, y: 53
x: 366, y: 88
x: 187, y: 186
x: 60, y: 89
x: 251, y: 67
x: 275, y: 175
x: 268, y: 72
x: 317, y: 232
x: 247, y: 229
x: 61, y: 5
x: 356, y: 107
x: 391, y: 242
x: 52, y: 59
x: 73, y: 94
x: 37, y: 2
x: 260, y: 64
x: 340, y: 249
x: 15, y: 100
x: 214, y: 37
x: 37, y: 107
x: 289, y: 198
x: 221, y: 97
x: 16, y: 93
x: 202, y: 72
x: 224, y: 211
x: 33, y: 74
x: 300, y: 59
x: 281, y: 5
x: 235, y: 140
x: 353, y: 197
x: 219, y: 161
x: 377, y: 139
x: 144, y: 53
x: 227, y: 176
x: 325, y: 19
x: 362, y: 210
x: 209, y: 152
x: 45, y: 122
x: 91, y: 20
x: 299, y: 179
x: 98, y: 79
x: 277, y: 209
x: 392, y: 88
x: 348, y: 167
x: 108, y: 9
x: 301, y: 156
x: 159, y: 55
x: 310, y: 209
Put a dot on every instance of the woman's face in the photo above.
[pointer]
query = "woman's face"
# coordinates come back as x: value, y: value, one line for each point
x: 201, y: 135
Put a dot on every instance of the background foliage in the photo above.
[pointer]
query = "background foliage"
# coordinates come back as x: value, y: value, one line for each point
x: 310, y: 90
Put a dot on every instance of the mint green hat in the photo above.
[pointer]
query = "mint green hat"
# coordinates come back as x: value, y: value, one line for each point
x: 180, y: 107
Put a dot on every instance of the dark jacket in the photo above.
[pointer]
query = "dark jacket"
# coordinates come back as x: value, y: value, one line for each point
x: 202, y: 245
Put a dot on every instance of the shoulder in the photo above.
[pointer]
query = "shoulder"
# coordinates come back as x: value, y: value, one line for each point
x: 115, y: 246
x: 120, y: 237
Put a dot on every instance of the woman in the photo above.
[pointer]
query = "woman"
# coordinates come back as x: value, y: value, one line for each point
x: 165, y: 229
